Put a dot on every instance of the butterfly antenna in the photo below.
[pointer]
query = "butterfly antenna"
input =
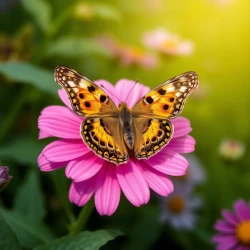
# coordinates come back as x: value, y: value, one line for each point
x: 131, y: 90
x: 110, y: 92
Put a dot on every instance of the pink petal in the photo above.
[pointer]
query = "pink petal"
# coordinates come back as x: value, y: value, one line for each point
x: 107, y: 195
x: 184, y: 144
x: 230, y: 217
x: 224, y: 227
x: 157, y: 181
x: 124, y: 86
x: 168, y: 162
x: 84, y: 168
x: 181, y: 127
x: 47, y: 166
x: 43, y: 135
x: 226, y: 242
x: 133, y: 183
x: 81, y: 192
x: 60, y: 122
x: 64, y: 97
x: 241, y: 210
x: 65, y: 150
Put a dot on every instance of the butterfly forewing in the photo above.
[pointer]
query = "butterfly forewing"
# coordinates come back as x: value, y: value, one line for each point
x: 167, y: 100
x: 85, y: 96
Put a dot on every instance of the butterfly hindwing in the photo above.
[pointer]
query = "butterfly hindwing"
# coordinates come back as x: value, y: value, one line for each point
x: 85, y: 96
x: 102, y: 135
x: 167, y: 100
x: 156, y: 133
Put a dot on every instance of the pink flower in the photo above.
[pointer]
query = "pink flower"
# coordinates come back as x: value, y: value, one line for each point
x: 167, y: 43
x: 93, y: 175
x: 128, y: 55
x: 234, y: 229
x: 5, y: 178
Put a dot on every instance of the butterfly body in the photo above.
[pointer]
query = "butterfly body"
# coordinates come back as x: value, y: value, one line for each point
x: 117, y: 133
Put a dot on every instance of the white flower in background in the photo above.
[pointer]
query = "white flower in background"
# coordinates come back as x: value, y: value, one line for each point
x: 195, y: 174
x: 231, y: 150
x: 167, y: 43
x: 180, y: 207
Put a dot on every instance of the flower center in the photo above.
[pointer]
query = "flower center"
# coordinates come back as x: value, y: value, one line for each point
x: 176, y: 204
x: 243, y: 232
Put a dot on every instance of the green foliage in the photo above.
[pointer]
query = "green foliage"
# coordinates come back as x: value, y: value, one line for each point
x: 26, y: 218
x: 28, y: 73
x: 40, y: 11
x: 73, y: 47
x: 22, y: 150
x: 8, y: 238
x: 82, y: 241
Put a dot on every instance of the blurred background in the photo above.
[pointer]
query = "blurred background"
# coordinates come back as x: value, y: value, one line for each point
x: 146, y: 40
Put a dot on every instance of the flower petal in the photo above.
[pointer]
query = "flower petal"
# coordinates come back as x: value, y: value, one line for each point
x: 184, y: 144
x: 157, y: 181
x: 47, y: 166
x: 64, y: 150
x: 43, y: 135
x: 123, y: 88
x: 60, y: 122
x: 64, y: 97
x: 241, y: 210
x: 224, y: 227
x: 84, y: 168
x: 227, y: 242
x: 181, y: 127
x: 168, y: 162
x: 230, y: 217
x: 81, y: 192
x: 107, y: 195
x: 133, y: 183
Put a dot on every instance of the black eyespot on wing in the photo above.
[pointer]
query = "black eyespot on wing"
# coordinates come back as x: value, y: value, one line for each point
x: 103, y: 98
x: 87, y: 104
x: 165, y: 107
x: 91, y: 89
x: 81, y: 96
x: 162, y: 91
x: 149, y: 100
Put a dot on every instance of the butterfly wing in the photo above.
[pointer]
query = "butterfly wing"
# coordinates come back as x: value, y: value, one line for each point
x: 152, y: 112
x: 85, y: 96
x: 103, y: 136
x: 101, y: 130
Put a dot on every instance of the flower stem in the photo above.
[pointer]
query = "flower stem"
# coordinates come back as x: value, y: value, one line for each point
x: 83, y: 216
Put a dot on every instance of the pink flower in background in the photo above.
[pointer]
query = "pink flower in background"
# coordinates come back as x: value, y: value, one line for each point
x: 167, y: 43
x: 234, y: 228
x: 94, y: 176
x: 4, y: 177
x: 128, y: 55
x: 179, y: 209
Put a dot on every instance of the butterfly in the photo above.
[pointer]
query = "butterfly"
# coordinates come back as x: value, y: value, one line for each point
x: 117, y: 133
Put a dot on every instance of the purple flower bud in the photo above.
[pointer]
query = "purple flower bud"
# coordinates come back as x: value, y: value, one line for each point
x: 4, y: 177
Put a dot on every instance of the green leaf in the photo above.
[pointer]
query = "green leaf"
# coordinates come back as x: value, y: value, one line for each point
x: 74, y: 47
x: 106, y: 11
x: 28, y: 73
x: 40, y: 11
x: 28, y: 235
x: 29, y: 201
x: 22, y: 150
x: 8, y: 238
x: 82, y: 241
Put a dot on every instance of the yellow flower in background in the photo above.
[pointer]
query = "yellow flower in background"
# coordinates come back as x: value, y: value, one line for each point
x: 84, y: 11
x: 167, y: 43
x: 231, y: 150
